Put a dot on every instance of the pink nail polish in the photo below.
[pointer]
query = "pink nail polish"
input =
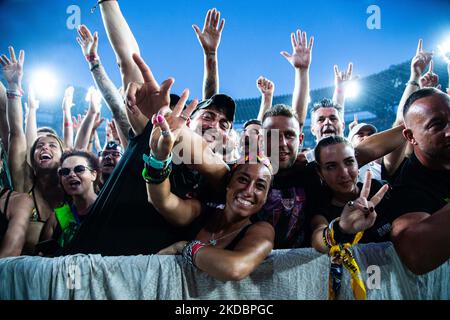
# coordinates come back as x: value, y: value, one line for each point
x: 160, y: 118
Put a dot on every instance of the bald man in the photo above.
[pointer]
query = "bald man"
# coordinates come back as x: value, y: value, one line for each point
x: 421, y: 193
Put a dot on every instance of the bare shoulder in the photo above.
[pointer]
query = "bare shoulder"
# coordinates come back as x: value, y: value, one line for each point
x: 261, y: 229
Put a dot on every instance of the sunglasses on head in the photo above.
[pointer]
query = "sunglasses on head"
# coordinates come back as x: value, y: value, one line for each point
x: 64, y: 172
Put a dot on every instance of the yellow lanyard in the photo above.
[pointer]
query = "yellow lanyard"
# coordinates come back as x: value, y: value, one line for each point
x: 341, y: 254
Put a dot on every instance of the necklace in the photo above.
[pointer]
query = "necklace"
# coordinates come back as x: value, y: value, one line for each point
x: 213, y: 241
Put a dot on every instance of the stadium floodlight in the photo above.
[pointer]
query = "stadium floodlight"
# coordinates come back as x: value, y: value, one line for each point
x: 45, y: 84
x: 444, y: 50
x: 352, y: 90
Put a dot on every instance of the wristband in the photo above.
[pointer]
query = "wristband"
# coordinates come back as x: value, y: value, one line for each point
x: 155, y: 176
x: 413, y: 83
x: 326, y: 237
x: 190, y: 250
x: 97, y: 65
x: 13, y: 94
x: 91, y: 57
x: 67, y: 124
x: 338, y: 235
x: 151, y: 161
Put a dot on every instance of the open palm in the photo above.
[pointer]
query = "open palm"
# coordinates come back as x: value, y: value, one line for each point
x: 301, y: 51
x: 13, y: 68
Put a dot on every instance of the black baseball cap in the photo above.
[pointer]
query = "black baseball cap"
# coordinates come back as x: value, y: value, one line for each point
x: 222, y: 102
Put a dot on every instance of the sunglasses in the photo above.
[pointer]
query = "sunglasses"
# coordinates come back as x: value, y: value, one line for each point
x: 114, y: 154
x: 64, y: 172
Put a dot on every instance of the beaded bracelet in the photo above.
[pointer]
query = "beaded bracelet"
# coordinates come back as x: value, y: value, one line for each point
x: 190, y: 251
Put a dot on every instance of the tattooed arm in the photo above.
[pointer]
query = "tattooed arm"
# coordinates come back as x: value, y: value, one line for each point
x: 209, y: 39
x: 114, y: 100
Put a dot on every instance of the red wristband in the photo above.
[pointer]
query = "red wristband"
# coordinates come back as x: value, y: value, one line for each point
x: 67, y: 124
x: 195, y: 249
x: 91, y: 57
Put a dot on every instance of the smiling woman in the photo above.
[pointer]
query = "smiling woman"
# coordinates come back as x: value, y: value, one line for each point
x: 78, y: 177
x: 225, y: 243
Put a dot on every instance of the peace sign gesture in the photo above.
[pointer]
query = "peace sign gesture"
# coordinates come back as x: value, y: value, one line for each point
x: 301, y: 51
x: 360, y: 215
x: 166, y: 125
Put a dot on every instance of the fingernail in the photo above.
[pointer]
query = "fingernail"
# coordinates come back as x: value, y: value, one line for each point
x: 160, y: 118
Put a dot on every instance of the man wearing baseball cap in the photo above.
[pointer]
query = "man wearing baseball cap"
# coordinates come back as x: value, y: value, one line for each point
x: 357, y: 135
x: 213, y: 118
x: 360, y: 132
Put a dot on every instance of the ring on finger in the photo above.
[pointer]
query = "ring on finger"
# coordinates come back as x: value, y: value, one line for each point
x: 165, y: 133
x: 184, y: 117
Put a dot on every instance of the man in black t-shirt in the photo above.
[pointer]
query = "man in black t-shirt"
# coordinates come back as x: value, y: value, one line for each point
x: 122, y: 221
x: 421, y: 192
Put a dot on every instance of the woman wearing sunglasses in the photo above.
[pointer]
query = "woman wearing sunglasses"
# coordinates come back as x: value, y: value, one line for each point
x: 78, y: 177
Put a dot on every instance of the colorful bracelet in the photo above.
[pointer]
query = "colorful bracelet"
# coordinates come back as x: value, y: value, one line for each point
x: 190, y: 250
x: 13, y: 94
x: 91, y: 57
x: 156, y: 176
x: 326, y: 237
x: 152, y: 162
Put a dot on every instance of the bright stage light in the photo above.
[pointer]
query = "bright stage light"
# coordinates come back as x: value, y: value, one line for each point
x: 352, y: 90
x: 444, y: 50
x: 45, y: 84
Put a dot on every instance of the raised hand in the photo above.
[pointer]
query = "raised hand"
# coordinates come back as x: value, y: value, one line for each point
x: 77, y: 122
x: 360, y: 214
x: 354, y: 123
x: 301, y: 51
x: 97, y: 122
x: 420, y: 61
x: 148, y: 97
x: 12, y: 68
x: 166, y: 125
x: 95, y: 100
x: 209, y: 38
x: 87, y: 42
x: 429, y: 79
x: 265, y: 86
x: 68, y: 98
x: 33, y: 103
x: 342, y: 78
